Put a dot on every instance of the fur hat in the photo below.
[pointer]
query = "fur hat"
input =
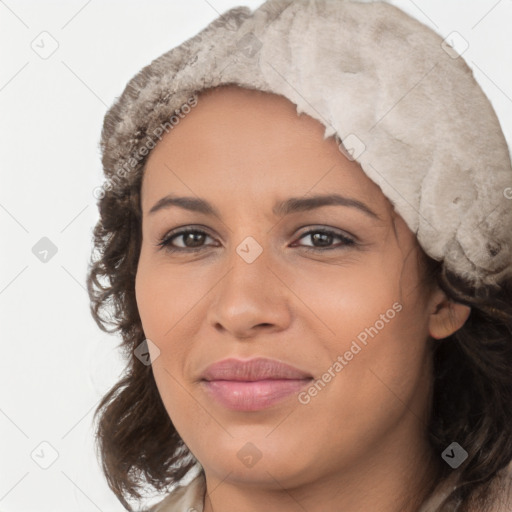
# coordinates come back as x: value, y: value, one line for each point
x: 398, y: 99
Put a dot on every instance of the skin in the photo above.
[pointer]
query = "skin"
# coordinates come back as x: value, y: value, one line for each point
x: 360, y: 443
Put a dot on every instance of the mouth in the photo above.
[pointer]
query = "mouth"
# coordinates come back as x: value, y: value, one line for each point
x: 252, y: 395
x: 252, y: 385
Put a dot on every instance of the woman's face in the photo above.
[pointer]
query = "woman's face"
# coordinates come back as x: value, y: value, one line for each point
x: 259, y: 279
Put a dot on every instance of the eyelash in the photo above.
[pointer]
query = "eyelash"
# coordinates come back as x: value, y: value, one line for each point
x: 165, y: 242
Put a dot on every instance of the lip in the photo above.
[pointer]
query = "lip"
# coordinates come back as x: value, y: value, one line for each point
x: 254, y: 384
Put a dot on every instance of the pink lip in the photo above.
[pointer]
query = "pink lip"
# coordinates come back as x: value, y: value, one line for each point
x: 254, y: 384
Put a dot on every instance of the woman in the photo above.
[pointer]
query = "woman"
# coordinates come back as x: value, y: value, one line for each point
x: 306, y: 238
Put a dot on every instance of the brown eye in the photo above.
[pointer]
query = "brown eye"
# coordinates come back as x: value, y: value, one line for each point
x: 322, y: 239
x: 191, y: 240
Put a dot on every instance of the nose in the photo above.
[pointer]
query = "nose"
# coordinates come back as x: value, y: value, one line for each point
x: 250, y: 298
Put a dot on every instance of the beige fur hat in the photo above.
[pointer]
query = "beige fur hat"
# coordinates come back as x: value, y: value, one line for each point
x: 398, y: 99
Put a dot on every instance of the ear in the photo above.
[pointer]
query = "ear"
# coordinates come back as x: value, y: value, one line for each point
x: 446, y: 316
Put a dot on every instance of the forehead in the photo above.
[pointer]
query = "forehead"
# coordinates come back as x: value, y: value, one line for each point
x: 241, y: 141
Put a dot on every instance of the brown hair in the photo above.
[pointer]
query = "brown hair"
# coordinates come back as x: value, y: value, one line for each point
x: 139, y: 446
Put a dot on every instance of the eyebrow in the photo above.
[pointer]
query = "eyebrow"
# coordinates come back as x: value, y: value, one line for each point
x: 291, y: 205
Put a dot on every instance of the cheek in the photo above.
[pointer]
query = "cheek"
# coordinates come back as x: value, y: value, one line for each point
x: 167, y: 303
x: 374, y: 332
x: 165, y: 296
x: 344, y: 300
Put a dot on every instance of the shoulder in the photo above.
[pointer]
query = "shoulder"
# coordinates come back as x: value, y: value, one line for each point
x: 501, y: 490
x: 185, y: 498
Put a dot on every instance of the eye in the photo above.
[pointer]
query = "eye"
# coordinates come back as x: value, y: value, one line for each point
x: 324, y: 238
x: 193, y: 239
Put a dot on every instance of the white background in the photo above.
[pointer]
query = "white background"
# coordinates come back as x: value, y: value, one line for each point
x: 55, y: 362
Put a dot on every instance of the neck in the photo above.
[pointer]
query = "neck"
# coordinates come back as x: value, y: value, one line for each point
x: 395, y: 476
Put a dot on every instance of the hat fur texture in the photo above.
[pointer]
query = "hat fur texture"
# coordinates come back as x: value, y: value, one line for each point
x: 403, y: 104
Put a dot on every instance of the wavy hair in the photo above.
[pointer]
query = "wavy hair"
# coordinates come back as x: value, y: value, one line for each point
x: 139, y: 446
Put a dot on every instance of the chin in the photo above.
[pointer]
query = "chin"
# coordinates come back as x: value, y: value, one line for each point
x: 259, y: 462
